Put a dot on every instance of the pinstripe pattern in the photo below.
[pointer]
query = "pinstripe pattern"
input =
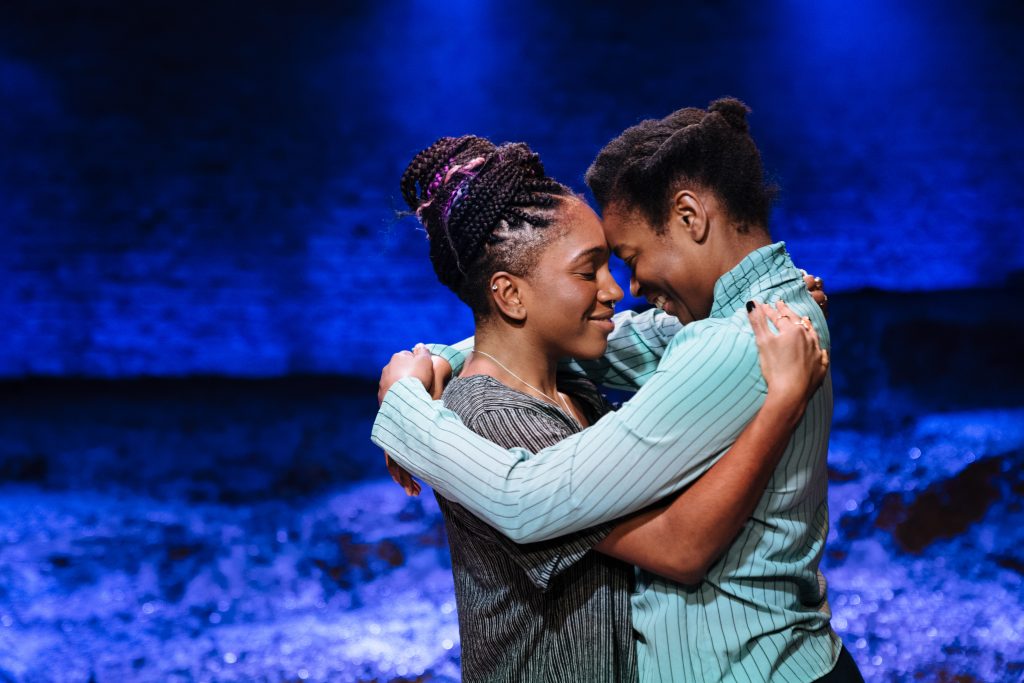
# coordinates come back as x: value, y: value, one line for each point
x: 761, y: 613
x: 545, y: 611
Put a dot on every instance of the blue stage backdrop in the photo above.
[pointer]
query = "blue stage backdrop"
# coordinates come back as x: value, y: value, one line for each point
x: 211, y: 188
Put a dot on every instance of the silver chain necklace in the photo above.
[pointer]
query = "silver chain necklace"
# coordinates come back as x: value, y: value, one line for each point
x: 505, y: 368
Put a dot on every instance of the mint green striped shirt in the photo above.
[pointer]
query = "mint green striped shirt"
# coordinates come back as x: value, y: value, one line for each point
x: 761, y: 612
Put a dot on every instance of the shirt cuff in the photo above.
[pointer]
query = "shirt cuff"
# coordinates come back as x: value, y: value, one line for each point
x: 455, y: 356
x: 404, y: 393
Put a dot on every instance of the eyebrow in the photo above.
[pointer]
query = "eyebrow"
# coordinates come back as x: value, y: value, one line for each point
x: 592, y: 251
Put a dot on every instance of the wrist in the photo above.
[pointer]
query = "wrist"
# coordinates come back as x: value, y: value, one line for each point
x: 785, y: 405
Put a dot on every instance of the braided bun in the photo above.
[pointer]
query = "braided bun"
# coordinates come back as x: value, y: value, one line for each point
x: 473, y: 197
x: 427, y: 169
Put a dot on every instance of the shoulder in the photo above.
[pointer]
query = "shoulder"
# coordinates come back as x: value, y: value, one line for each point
x: 715, y: 337
x: 716, y: 350
x: 473, y: 396
x: 506, y: 417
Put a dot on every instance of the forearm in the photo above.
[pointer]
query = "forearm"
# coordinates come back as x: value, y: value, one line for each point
x: 682, y: 540
x: 670, y: 433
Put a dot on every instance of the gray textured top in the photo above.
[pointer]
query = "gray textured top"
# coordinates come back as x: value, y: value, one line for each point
x: 547, y: 611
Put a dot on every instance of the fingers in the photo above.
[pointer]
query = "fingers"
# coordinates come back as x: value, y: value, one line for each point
x: 788, y: 314
x: 402, y: 477
x: 821, y: 299
x: 405, y: 480
x: 816, y: 286
x: 409, y: 485
x: 419, y: 351
x: 785, y: 310
x: 758, y: 320
x: 442, y: 368
x: 442, y: 372
x: 804, y: 322
x: 814, y: 283
x: 813, y: 332
x: 393, y: 469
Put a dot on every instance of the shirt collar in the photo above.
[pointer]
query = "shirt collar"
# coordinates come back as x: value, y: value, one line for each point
x: 759, y: 271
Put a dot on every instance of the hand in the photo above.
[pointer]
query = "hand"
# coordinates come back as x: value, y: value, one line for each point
x: 402, y: 477
x: 407, y: 364
x: 434, y: 372
x: 442, y: 374
x: 792, y: 361
x: 816, y: 286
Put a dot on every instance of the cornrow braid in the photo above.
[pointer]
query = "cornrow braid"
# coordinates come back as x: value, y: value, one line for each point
x: 483, y: 207
x: 710, y: 149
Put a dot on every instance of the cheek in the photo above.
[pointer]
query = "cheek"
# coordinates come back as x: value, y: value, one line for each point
x: 575, y: 300
x: 651, y: 270
x: 571, y: 304
x: 558, y: 306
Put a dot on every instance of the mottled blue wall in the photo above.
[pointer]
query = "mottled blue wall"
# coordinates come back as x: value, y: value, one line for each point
x: 209, y: 187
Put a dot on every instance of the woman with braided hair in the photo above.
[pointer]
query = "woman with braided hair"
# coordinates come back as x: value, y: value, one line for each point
x: 530, y: 259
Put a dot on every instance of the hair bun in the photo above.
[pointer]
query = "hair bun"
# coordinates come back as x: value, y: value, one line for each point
x: 733, y: 111
x: 520, y: 154
x: 428, y: 171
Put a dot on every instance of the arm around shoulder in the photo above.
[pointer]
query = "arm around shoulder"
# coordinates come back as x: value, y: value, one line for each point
x: 673, y: 430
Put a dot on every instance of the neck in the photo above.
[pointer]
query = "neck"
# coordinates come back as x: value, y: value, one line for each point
x: 512, y: 348
x: 735, y: 246
x: 722, y: 252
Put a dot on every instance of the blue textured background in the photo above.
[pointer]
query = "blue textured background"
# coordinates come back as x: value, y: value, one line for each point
x: 202, y: 272
x: 210, y: 188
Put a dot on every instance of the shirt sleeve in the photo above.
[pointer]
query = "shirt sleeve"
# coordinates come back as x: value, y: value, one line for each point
x: 541, y: 561
x: 455, y: 354
x: 689, y: 412
x: 635, y: 347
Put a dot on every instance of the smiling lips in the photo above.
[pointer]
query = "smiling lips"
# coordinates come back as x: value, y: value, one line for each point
x: 604, y: 321
x: 659, y: 301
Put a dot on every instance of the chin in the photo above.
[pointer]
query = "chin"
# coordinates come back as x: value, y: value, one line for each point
x: 589, y: 351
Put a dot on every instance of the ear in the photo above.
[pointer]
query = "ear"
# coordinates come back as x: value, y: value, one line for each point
x: 689, y: 213
x: 506, y: 291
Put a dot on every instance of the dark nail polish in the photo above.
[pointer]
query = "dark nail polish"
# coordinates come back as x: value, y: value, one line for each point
x: 750, y: 306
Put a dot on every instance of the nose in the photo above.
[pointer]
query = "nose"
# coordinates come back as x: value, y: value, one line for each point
x: 615, y: 292
x: 609, y: 292
x: 634, y: 286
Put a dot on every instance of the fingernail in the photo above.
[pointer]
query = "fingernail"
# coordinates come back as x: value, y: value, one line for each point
x: 750, y: 306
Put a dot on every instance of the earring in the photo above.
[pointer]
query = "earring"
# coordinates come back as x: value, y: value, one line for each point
x: 494, y: 288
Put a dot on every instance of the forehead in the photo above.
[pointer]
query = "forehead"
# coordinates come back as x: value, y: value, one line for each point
x: 625, y: 229
x: 581, y: 224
